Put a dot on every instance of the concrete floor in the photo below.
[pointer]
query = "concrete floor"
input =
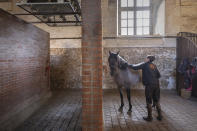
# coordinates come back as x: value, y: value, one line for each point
x: 63, y: 112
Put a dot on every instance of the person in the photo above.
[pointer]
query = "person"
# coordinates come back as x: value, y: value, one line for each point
x: 185, y: 70
x: 190, y: 73
x: 150, y: 79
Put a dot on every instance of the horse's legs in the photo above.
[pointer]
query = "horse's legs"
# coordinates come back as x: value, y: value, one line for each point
x: 121, y: 97
x: 129, y: 98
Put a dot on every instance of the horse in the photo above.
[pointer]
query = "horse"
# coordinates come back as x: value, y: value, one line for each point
x: 123, y: 77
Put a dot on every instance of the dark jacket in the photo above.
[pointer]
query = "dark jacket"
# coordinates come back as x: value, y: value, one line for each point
x: 150, y: 73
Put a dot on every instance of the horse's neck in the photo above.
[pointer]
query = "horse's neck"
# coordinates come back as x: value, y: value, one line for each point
x: 118, y: 71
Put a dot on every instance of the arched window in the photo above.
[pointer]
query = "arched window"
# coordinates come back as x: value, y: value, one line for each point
x: 134, y: 17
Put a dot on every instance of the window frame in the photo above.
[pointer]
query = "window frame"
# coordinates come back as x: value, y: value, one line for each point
x: 134, y: 9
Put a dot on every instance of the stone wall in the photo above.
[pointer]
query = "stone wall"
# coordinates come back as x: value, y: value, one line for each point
x: 135, y: 51
x: 165, y: 61
x: 65, y: 68
x: 66, y: 62
x: 181, y: 16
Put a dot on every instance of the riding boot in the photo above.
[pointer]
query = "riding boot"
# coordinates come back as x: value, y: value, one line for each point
x: 149, y: 117
x: 159, y: 111
x: 154, y: 105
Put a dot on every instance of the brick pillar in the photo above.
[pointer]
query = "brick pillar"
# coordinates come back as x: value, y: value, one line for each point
x: 92, y: 117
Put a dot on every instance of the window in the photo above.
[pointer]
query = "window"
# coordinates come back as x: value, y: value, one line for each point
x: 134, y: 17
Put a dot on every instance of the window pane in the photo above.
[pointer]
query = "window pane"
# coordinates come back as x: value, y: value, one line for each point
x: 139, y: 22
x: 130, y: 3
x: 123, y: 31
x: 130, y: 14
x: 146, y: 30
x: 138, y: 25
x: 123, y: 14
x: 130, y: 31
x: 146, y: 22
x: 146, y: 14
x: 139, y: 3
x: 123, y: 3
x: 130, y: 23
x: 139, y: 14
x: 139, y: 30
x: 146, y: 2
x: 123, y: 23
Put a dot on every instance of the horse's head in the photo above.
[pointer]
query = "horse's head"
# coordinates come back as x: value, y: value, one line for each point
x: 113, y: 61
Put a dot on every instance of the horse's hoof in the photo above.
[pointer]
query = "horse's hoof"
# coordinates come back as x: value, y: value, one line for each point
x: 129, y: 112
x: 120, y: 110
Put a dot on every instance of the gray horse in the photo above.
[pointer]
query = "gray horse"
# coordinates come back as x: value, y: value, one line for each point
x: 123, y: 76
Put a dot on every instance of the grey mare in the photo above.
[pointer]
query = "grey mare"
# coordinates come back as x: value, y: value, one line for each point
x: 123, y: 76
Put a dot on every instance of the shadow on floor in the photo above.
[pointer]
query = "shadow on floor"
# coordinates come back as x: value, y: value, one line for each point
x: 176, y: 113
x: 60, y: 113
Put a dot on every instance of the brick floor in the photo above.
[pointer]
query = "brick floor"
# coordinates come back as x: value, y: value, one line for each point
x: 179, y: 114
x: 63, y: 113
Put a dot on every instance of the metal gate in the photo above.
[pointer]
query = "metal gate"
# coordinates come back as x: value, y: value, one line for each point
x: 186, y: 48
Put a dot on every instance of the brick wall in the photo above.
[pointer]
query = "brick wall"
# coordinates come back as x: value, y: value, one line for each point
x: 24, y: 80
x: 92, y: 66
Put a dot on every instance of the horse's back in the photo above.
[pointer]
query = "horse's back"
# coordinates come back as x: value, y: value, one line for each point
x: 134, y: 77
x: 128, y: 78
x: 124, y: 76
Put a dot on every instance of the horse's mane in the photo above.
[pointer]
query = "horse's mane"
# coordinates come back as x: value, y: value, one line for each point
x: 122, y: 63
x: 122, y: 60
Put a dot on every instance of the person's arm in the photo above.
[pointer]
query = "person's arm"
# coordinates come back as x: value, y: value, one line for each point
x: 136, y: 66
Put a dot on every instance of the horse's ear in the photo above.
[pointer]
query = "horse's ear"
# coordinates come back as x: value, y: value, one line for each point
x: 110, y: 53
x: 118, y: 52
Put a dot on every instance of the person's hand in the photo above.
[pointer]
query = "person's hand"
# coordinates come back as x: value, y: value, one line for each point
x: 130, y: 65
x: 126, y: 64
